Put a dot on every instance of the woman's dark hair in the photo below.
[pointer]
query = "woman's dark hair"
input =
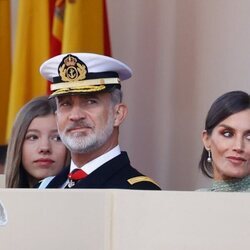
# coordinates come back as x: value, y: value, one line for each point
x: 223, y: 107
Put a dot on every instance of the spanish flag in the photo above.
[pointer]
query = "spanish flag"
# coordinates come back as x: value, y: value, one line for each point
x: 46, y: 28
x: 5, y: 65
x: 56, y: 31
x: 30, y: 50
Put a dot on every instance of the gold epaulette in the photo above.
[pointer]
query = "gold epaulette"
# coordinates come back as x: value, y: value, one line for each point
x: 142, y: 178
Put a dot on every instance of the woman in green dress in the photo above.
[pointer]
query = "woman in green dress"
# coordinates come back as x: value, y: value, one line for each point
x: 226, y: 138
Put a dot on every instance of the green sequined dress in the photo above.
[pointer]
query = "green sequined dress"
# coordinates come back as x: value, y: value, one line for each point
x: 237, y: 185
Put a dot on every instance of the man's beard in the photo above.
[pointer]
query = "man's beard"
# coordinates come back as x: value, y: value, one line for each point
x: 80, y: 143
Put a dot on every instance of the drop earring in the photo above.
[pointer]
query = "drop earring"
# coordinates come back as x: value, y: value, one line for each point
x: 209, y: 157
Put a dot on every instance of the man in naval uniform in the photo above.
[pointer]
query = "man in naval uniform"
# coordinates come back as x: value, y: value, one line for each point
x: 89, y: 111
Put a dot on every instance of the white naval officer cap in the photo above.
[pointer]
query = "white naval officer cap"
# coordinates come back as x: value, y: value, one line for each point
x: 79, y: 73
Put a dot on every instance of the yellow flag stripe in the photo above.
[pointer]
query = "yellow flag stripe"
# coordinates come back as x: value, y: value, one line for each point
x: 31, y: 49
x: 5, y: 65
x: 83, y: 27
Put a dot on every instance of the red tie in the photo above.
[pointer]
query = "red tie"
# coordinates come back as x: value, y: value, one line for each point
x: 76, y: 175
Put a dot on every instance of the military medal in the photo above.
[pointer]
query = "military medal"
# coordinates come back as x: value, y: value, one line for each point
x: 76, y: 175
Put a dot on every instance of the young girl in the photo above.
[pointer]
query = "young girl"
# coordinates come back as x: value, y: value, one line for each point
x: 35, y: 150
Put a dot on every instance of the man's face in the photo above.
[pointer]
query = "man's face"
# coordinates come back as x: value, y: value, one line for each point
x: 85, y: 122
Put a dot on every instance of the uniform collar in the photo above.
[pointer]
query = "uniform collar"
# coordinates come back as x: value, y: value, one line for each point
x: 99, y: 161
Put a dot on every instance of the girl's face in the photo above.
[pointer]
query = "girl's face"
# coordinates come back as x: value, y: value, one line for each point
x: 43, y: 153
x: 230, y: 146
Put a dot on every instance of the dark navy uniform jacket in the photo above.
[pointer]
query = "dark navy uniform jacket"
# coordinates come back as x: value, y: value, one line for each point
x: 116, y: 173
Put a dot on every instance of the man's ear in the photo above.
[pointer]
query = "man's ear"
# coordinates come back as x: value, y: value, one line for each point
x: 121, y: 111
x: 206, y: 139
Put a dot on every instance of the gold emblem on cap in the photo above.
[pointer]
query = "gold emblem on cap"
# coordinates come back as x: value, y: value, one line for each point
x: 72, y: 69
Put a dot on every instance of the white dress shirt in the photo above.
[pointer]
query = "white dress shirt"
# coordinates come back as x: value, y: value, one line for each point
x: 89, y: 167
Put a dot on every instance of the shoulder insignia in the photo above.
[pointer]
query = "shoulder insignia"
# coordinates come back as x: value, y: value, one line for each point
x: 142, y: 178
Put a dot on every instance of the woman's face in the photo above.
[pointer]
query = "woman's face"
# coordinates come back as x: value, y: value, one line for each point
x: 43, y: 153
x: 230, y: 146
